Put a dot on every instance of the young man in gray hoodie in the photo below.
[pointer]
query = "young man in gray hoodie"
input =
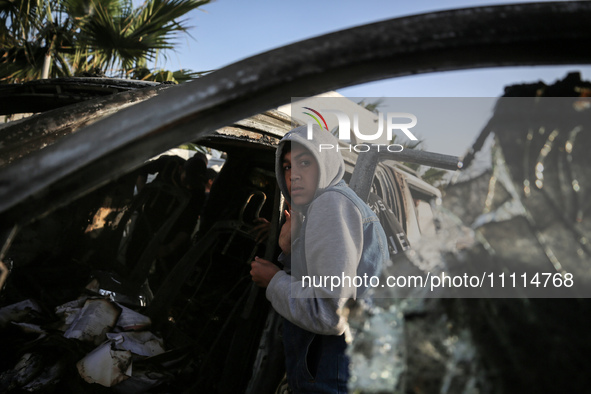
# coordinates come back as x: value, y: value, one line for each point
x: 329, y: 235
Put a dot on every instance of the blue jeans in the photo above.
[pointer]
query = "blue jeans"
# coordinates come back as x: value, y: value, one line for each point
x: 315, y: 363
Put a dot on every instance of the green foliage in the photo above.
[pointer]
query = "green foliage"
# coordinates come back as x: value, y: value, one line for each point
x: 160, y: 75
x: 371, y: 106
x: 194, y: 147
x: 73, y: 37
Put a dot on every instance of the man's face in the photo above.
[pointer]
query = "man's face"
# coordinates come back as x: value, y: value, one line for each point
x: 300, y: 170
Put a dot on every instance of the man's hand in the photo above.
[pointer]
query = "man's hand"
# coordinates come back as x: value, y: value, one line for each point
x: 293, y: 222
x: 262, y: 271
x: 285, y: 234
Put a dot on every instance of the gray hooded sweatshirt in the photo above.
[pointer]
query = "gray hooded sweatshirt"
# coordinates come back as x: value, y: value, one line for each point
x: 331, y: 248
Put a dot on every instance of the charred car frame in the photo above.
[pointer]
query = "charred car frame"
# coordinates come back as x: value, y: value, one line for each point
x: 70, y: 166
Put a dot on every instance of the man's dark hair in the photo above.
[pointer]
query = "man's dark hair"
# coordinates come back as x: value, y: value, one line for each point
x: 195, y: 172
x: 202, y: 156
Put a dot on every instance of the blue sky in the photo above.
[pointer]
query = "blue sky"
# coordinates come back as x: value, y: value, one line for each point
x: 226, y: 31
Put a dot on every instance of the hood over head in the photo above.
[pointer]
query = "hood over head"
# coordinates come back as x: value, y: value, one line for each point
x: 330, y: 162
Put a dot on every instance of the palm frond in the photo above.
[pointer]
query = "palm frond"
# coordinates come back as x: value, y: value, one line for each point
x: 160, y: 75
x: 188, y: 75
x: 82, y: 35
x: 21, y: 63
x: 372, y: 106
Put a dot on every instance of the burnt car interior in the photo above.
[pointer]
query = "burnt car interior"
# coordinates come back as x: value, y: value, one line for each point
x: 211, y: 314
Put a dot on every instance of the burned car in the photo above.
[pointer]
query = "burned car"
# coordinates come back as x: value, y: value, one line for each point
x: 97, y: 265
x: 87, y: 309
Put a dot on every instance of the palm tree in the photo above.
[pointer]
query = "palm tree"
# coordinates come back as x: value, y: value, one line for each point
x: 53, y: 38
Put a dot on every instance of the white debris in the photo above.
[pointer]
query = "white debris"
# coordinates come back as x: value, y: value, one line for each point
x: 142, y: 343
x: 130, y: 320
x: 105, y: 366
x: 97, y: 317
